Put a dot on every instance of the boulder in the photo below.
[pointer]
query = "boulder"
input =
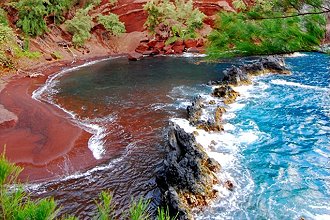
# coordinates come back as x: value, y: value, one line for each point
x: 178, y: 49
x: 236, y: 76
x: 48, y: 57
x: 190, y: 43
x: 159, y: 45
x: 227, y: 93
x: 134, y: 56
x: 142, y: 47
x: 193, y: 50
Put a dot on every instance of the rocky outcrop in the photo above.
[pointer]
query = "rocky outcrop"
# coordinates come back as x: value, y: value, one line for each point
x: 157, y: 45
x: 226, y: 93
x: 241, y: 75
x: 7, y: 118
x: 187, y: 177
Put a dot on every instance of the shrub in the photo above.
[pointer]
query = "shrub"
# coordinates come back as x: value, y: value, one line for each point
x: 179, y: 16
x: 3, y: 17
x: 6, y: 43
x: 31, y: 16
x: 80, y: 26
x: 112, y: 24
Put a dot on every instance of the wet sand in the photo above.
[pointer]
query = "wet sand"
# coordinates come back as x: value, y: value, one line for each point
x: 43, y: 139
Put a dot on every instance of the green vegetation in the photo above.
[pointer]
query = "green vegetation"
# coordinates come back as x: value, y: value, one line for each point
x: 16, y: 203
x: 3, y: 17
x: 112, y: 24
x: 179, y: 16
x: 138, y: 210
x: 31, y: 16
x: 6, y: 44
x: 269, y: 27
x: 80, y: 26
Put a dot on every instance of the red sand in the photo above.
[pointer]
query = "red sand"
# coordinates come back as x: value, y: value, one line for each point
x: 44, y: 140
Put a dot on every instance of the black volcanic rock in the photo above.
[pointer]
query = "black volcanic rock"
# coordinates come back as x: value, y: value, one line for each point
x: 187, y: 176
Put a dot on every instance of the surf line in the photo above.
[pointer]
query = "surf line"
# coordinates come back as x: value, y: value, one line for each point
x: 188, y: 174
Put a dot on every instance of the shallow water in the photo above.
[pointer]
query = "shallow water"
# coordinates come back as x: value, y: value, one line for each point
x: 275, y: 149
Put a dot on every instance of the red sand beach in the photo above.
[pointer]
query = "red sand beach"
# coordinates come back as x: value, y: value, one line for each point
x: 42, y: 139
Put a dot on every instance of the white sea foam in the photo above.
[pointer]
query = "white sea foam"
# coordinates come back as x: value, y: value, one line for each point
x: 193, y: 55
x: 287, y: 83
x: 296, y: 54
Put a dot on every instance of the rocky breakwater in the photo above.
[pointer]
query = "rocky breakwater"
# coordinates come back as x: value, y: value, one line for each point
x: 188, y: 175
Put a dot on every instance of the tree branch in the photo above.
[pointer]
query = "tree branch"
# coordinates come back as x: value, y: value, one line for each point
x: 295, y: 15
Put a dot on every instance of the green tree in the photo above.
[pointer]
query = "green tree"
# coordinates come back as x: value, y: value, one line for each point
x: 268, y: 27
x: 112, y: 24
x: 80, y: 26
x: 179, y: 16
x: 31, y: 16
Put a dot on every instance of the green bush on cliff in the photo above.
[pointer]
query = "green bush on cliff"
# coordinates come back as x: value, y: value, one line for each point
x: 7, y: 42
x: 179, y: 16
x: 3, y: 17
x: 266, y: 28
x: 80, y: 26
x: 31, y: 16
x: 57, y: 8
x: 112, y: 24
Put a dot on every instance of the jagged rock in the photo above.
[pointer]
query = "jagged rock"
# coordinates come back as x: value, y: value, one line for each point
x: 159, y: 45
x: 187, y: 176
x: 195, y: 110
x: 236, y: 76
x: 274, y: 64
x: 240, y: 75
x: 142, y: 48
x: 48, y: 57
x: 227, y: 93
x: 190, y: 43
x: 178, y: 49
x: 229, y: 185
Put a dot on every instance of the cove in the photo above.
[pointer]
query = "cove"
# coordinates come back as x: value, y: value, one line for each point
x: 131, y: 104
x: 275, y: 148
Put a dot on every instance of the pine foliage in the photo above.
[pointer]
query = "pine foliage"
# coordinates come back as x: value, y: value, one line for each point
x: 267, y: 28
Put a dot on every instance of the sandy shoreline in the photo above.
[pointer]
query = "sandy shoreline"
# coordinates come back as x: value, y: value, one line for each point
x: 38, y: 136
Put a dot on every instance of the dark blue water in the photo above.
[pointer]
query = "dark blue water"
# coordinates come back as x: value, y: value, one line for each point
x: 278, y: 146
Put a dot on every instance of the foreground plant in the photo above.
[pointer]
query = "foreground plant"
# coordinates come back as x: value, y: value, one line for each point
x: 15, y: 202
